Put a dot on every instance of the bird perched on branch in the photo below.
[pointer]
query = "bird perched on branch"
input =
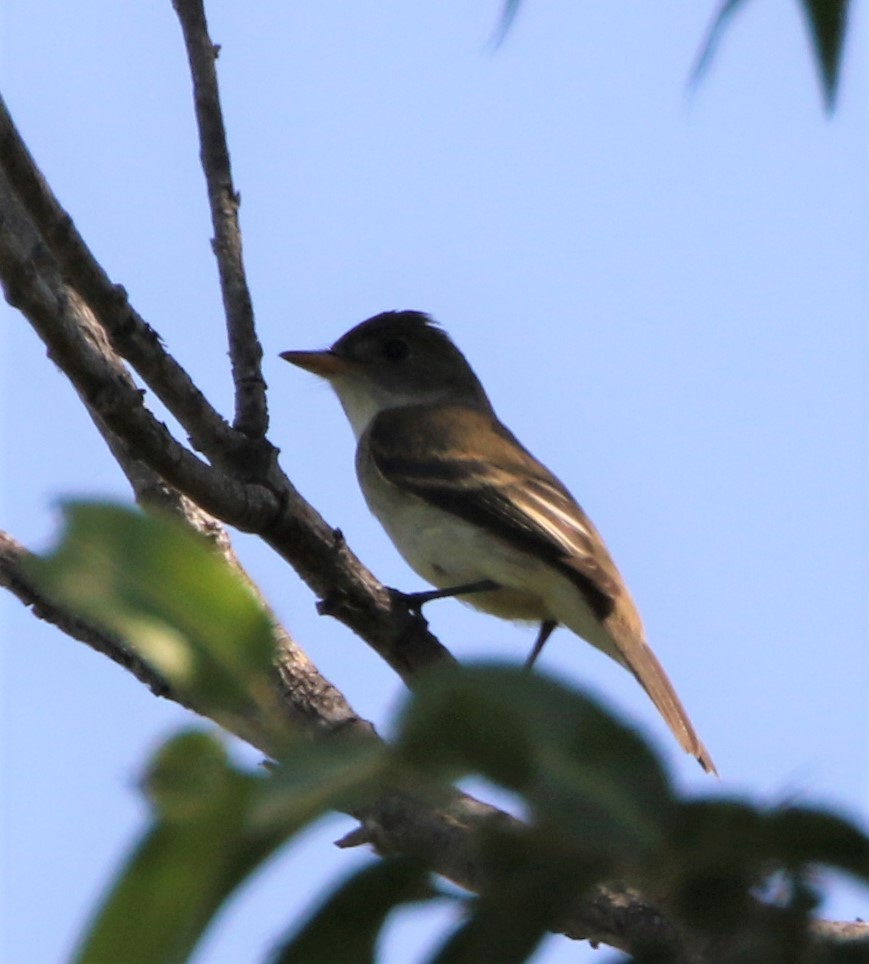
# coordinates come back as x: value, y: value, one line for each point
x: 470, y: 509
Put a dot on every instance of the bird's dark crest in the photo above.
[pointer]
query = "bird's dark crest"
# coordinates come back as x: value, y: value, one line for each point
x: 406, y: 316
x: 399, y: 320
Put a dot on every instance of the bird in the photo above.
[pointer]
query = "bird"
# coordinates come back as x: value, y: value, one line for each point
x: 470, y: 509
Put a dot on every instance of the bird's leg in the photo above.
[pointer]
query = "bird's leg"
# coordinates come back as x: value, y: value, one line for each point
x: 546, y: 628
x: 416, y: 600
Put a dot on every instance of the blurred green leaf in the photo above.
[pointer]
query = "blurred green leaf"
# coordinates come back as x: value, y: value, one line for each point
x: 725, y: 853
x: 713, y: 37
x: 186, y: 864
x: 214, y: 825
x: 715, y: 858
x: 347, y: 925
x: 180, y: 606
x: 508, y: 14
x: 312, y: 777
x: 457, y: 722
x: 600, y: 805
x: 805, y: 837
x: 530, y: 881
x: 186, y: 773
x: 737, y: 835
x: 579, y: 768
x: 726, y: 834
x: 826, y: 21
x: 502, y: 931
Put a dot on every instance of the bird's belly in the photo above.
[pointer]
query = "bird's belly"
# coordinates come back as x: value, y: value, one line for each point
x: 448, y: 551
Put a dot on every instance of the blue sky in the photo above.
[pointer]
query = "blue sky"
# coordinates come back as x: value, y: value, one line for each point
x: 663, y: 289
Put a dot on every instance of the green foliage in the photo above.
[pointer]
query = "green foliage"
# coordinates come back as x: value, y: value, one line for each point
x: 598, y: 806
x: 348, y: 924
x: 579, y: 769
x: 197, y: 849
x: 826, y: 21
x: 533, y: 875
x: 508, y: 15
x: 162, y: 588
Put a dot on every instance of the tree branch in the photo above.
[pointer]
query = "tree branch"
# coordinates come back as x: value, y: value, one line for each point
x: 447, y: 837
x: 308, y: 699
x: 274, y: 509
x: 245, y: 352
x: 131, y: 336
x: 76, y: 342
x: 395, y: 824
x: 51, y: 275
x: 13, y: 556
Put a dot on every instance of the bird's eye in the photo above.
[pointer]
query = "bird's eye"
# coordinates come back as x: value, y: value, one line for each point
x: 396, y: 350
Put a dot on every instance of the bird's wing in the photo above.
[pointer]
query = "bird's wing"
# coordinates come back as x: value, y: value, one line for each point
x: 503, y: 487
x: 500, y: 486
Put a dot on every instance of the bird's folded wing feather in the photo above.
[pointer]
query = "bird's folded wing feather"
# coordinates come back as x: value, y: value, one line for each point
x: 498, y: 485
x: 424, y: 449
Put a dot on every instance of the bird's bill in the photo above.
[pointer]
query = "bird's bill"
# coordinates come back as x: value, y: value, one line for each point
x: 326, y: 364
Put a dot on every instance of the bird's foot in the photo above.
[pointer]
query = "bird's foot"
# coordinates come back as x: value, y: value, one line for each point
x: 546, y: 629
x: 416, y: 600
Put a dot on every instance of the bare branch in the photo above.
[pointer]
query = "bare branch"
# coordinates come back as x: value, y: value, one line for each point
x: 273, y: 509
x: 395, y: 824
x: 13, y: 577
x: 131, y: 336
x: 448, y: 840
x: 48, y: 271
x: 851, y: 937
x: 307, y: 698
x: 245, y: 352
x: 33, y: 272
x: 448, y: 836
x: 79, y: 346
x: 143, y: 445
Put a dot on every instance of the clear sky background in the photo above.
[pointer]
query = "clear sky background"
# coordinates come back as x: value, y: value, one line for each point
x: 663, y: 289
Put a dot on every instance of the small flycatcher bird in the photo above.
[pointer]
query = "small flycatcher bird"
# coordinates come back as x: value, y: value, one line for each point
x: 470, y: 509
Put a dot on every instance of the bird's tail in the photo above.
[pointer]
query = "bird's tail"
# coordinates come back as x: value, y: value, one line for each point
x: 651, y: 676
x: 620, y: 635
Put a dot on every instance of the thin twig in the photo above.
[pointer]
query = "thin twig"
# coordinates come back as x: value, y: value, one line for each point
x: 13, y: 558
x: 394, y: 824
x: 52, y: 301
x: 273, y: 509
x: 307, y: 697
x: 80, y: 347
x: 131, y: 336
x: 398, y: 823
x: 245, y: 351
